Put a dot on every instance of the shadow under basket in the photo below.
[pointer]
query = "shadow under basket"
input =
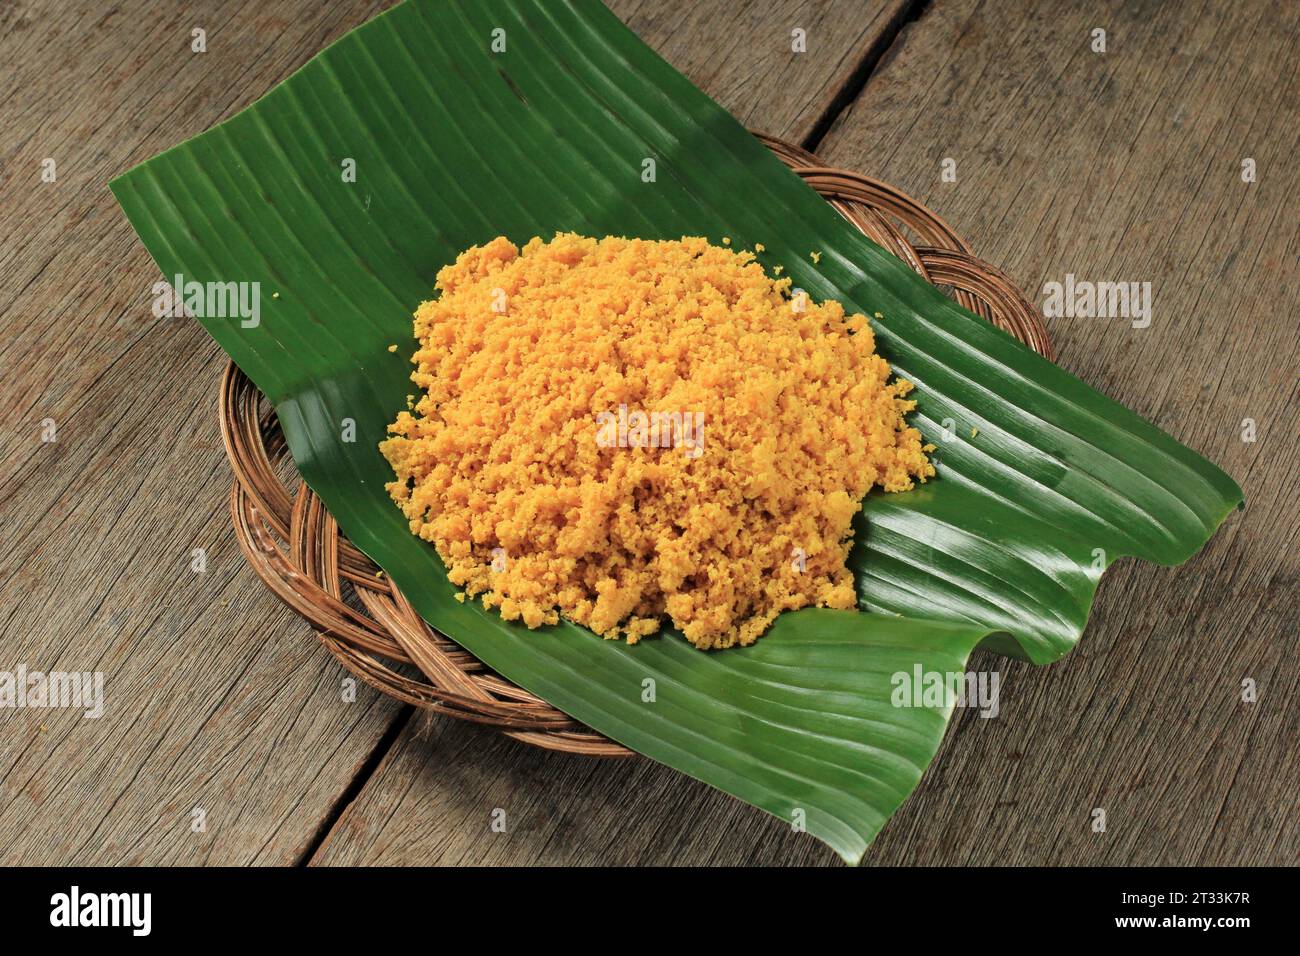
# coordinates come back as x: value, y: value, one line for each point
x: 295, y: 547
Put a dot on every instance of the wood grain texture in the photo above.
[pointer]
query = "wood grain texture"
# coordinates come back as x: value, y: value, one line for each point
x: 217, y: 697
x: 438, y: 793
x: 1127, y: 166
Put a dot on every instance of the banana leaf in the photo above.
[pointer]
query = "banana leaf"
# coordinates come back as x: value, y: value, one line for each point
x: 466, y: 120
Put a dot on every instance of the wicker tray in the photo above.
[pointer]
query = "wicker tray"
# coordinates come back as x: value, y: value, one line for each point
x: 294, y: 544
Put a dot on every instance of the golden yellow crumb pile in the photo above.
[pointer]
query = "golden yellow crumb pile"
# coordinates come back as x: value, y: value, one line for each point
x: 624, y: 431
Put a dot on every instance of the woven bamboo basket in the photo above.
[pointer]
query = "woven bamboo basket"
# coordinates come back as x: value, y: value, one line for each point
x: 295, y: 546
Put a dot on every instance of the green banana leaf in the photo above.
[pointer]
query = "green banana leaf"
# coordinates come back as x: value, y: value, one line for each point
x: 453, y: 143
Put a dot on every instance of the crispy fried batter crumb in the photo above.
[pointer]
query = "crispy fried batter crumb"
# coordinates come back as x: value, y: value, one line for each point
x: 507, y: 467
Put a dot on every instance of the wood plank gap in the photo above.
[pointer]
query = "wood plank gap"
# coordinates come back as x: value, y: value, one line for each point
x: 356, y: 784
x: 861, y: 73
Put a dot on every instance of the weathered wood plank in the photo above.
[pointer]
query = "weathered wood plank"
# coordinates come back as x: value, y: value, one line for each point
x: 742, y: 54
x: 216, y: 696
x: 445, y: 792
x: 1126, y: 165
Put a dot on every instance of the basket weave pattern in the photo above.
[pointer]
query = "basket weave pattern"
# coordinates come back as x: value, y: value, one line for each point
x: 295, y: 546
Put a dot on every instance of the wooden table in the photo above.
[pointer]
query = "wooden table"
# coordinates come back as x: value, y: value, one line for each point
x: 1122, y: 165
